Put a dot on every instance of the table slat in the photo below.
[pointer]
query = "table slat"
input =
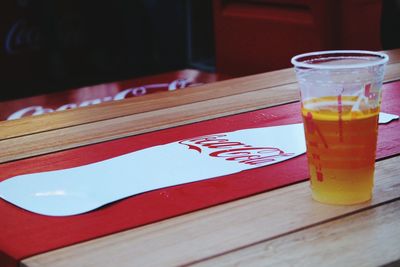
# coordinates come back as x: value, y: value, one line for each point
x: 218, y: 230
x: 99, y: 131
x: 151, y: 102
x: 91, y: 133
x: 374, y: 234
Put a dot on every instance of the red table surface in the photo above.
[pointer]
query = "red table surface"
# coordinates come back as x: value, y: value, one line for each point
x: 24, y: 234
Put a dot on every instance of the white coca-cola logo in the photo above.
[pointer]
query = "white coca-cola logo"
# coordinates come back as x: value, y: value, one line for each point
x: 222, y: 147
x: 130, y: 92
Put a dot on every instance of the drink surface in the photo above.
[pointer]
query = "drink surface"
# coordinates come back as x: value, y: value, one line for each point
x: 341, y: 147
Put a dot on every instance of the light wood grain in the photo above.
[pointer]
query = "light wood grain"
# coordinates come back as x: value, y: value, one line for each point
x: 369, y: 238
x: 394, y: 55
x: 392, y: 72
x: 151, y: 102
x: 197, y: 236
x: 158, y: 119
x: 90, y: 133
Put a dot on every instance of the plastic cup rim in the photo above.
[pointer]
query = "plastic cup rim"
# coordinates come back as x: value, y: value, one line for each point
x: 384, y: 59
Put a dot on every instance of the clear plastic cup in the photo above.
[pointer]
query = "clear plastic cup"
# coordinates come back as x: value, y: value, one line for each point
x: 340, y: 102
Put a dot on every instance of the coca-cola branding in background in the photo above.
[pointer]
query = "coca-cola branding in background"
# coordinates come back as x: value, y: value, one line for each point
x: 92, y: 95
x: 22, y: 31
x: 81, y: 189
x: 48, y: 45
x: 21, y: 35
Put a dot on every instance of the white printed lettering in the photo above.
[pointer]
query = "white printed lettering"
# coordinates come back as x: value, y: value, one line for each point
x: 29, y: 111
x: 67, y: 106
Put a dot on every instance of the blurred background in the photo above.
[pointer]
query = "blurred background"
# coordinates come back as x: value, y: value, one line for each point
x: 50, y: 46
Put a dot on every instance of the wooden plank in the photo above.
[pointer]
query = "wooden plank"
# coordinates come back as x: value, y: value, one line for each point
x: 392, y: 72
x: 217, y: 230
x: 90, y: 133
x: 103, y: 130
x: 394, y: 55
x: 152, y: 102
x: 368, y: 238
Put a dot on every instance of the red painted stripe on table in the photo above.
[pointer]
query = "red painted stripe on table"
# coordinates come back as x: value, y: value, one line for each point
x: 24, y: 234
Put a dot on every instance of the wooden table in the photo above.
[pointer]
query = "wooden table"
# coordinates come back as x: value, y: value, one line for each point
x: 278, y: 228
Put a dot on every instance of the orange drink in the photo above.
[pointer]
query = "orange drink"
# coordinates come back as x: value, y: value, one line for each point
x: 341, y: 148
x: 340, y: 93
